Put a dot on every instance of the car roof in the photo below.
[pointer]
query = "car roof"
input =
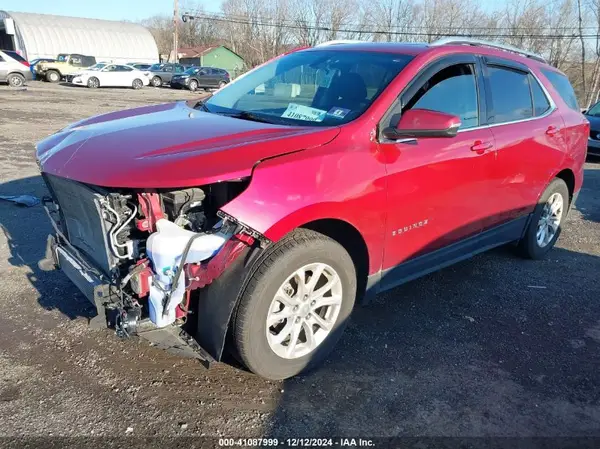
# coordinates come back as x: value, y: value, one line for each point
x: 415, y: 49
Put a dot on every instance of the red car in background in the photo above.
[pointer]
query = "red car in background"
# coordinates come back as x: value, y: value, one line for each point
x: 252, y: 221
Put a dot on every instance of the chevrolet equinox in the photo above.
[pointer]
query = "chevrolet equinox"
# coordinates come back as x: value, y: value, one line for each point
x: 252, y: 221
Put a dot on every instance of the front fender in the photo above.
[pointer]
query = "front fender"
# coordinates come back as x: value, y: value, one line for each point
x: 337, y: 181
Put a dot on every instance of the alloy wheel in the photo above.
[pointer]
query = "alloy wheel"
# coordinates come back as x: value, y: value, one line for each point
x: 304, y: 310
x: 550, y: 219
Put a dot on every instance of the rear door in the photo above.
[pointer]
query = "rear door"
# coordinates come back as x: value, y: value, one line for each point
x: 529, y: 143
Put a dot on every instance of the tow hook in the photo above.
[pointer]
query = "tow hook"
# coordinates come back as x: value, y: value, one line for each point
x: 127, y: 321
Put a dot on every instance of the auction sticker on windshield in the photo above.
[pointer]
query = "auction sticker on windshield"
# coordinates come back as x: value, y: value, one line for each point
x: 306, y: 113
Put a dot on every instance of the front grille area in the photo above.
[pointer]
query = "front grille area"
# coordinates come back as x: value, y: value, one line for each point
x: 82, y: 217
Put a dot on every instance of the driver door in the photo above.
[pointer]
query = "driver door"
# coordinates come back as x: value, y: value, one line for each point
x: 438, y: 187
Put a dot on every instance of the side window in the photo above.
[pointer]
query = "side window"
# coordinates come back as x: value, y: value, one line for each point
x: 76, y: 61
x: 561, y: 83
x: 452, y: 90
x: 202, y: 72
x: 110, y: 68
x: 179, y: 69
x: 1, y: 58
x: 540, y: 101
x: 123, y: 68
x: 511, y: 98
x: 167, y: 68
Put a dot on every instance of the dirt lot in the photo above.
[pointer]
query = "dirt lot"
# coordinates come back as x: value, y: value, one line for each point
x: 495, y: 346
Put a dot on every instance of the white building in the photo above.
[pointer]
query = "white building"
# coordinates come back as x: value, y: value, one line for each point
x: 45, y: 36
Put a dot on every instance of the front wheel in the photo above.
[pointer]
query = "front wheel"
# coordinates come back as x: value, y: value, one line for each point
x: 295, y: 306
x: 193, y: 85
x: 93, y: 83
x: 546, y: 221
x: 137, y: 84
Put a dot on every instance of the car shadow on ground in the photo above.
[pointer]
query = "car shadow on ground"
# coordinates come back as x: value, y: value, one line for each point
x: 495, y: 345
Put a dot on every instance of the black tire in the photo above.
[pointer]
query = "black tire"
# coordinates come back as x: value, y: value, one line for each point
x: 249, y: 325
x: 16, y: 80
x: 52, y: 76
x: 193, y: 85
x: 157, y: 81
x: 93, y: 82
x: 222, y: 84
x: 137, y: 84
x: 529, y: 246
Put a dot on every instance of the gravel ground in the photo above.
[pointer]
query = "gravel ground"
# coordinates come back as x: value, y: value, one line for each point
x: 495, y: 346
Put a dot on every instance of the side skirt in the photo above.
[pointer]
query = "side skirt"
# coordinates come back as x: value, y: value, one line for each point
x: 444, y: 257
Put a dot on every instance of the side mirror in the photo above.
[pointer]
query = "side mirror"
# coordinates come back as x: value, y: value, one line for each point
x: 423, y: 123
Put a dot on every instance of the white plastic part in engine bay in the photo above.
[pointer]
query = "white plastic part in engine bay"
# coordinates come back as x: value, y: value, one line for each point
x: 165, y: 248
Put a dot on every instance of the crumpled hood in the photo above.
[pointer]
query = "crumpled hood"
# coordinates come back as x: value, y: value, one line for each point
x: 168, y: 145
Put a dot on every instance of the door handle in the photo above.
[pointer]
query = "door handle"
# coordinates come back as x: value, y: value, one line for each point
x: 480, y: 146
x: 552, y: 130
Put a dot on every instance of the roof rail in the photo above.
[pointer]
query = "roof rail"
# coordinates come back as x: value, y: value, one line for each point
x: 482, y: 43
x: 340, y: 41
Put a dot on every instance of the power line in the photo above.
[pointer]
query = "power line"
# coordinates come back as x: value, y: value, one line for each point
x: 492, y: 34
x: 306, y: 23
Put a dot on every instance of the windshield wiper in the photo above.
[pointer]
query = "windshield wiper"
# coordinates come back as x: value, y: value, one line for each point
x: 246, y: 115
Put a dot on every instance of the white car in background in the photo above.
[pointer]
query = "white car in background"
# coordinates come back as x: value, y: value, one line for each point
x: 112, y: 75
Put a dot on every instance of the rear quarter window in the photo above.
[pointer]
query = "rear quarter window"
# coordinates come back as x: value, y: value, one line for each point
x: 562, y: 85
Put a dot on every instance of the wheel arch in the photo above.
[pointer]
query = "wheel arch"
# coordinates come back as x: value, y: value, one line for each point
x: 353, y: 242
x: 568, y: 176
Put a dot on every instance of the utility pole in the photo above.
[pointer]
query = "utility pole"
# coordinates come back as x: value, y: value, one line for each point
x: 176, y: 31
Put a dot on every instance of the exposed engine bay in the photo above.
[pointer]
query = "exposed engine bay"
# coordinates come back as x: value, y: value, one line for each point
x: 140, y: 255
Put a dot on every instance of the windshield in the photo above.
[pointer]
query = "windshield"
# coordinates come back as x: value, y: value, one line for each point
x: 191, y: 71
x: 594, y: 110
x: 62, y: 57
x: 96, y: 66
x: 156, y: 67
x: 316, y: 88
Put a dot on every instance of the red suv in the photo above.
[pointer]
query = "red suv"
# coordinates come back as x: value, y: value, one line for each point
x: 253, y: 220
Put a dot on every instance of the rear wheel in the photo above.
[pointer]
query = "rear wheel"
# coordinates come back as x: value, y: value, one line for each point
x: 546, y: 221
x: 16, y: 80
x: 53, y: 76
x: 193, y: 85
x: 222, y: 84
x: 295, y: 306
x: 156, y: 81
x: 93, y: 83
x: 137, y: 84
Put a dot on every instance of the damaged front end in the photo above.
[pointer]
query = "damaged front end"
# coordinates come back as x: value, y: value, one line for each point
x: 143, y: 257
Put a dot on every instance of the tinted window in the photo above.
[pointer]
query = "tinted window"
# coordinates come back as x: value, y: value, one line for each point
x: 167, y: 68
x: 511, y: 98
x: 540, y: 101
x: 123, y: 68
x: 563, y: 87
x: 179, y: 69
x: 453, y: 91
x: 1, y: 58
x: 155, y: 67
